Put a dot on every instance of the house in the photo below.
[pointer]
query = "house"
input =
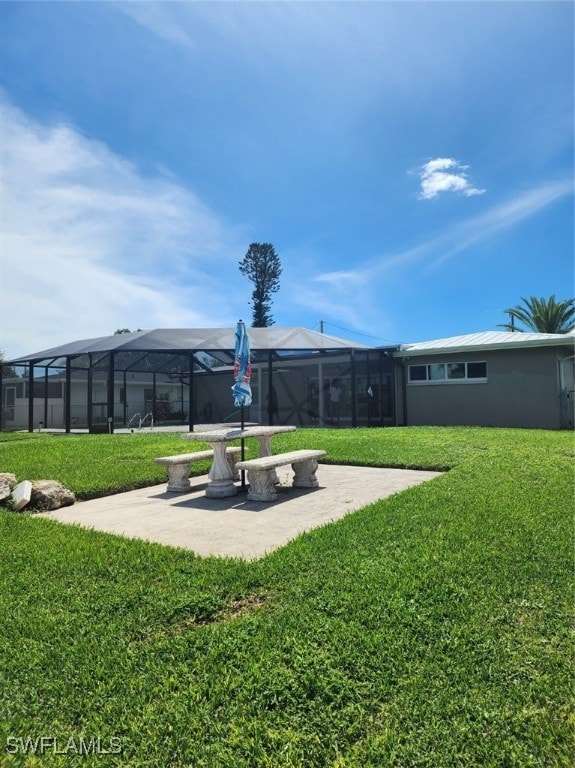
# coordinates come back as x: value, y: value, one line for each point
x: 497, y: 379
x: 184, y: 377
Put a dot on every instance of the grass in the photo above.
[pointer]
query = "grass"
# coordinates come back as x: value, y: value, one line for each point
x: 428, y: 629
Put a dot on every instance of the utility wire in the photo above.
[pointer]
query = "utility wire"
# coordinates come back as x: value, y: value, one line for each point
x: 350, y: 330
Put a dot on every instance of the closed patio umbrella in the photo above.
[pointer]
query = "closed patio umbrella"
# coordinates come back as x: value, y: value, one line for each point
x: 242, y: 368
x: 242, y: 374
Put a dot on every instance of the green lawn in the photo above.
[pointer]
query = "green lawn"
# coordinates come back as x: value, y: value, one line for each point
x: 428, y: 629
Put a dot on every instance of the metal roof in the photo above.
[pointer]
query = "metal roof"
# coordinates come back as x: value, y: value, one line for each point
x: 196, y: 339
x: 488, y: 340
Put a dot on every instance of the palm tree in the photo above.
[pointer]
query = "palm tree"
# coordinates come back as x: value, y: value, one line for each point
x: 542, y: 315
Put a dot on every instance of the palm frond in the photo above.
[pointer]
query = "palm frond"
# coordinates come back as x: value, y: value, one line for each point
x: 543, y: 315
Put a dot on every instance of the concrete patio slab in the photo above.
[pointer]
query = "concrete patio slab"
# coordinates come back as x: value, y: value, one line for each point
x: 234, y: 526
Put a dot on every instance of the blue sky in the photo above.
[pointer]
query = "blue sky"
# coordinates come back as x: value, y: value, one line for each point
x: 411, y: 162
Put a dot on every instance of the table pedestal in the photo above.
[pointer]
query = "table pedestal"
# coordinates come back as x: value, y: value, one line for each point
x: 221, y: 476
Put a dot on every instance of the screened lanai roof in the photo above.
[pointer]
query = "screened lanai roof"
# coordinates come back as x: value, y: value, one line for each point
x: 197, y: 340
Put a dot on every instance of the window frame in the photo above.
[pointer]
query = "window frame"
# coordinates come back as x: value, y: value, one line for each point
x: 432, y: 371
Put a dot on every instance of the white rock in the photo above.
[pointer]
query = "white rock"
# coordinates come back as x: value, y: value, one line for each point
x: 21, y: 495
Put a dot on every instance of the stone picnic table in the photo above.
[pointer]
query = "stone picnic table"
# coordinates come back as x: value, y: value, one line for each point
x: 221, y: 477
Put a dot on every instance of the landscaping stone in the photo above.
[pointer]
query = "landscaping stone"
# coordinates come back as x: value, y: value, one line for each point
x: 7, y: 482
x: 50, y: 494
x: 21, y: 495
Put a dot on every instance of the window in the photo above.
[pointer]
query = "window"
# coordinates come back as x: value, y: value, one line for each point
x: 438, y: 373
x: 476, y: 370
x: 54, y: 389
x: 418, y: 373
x: 456, y: 370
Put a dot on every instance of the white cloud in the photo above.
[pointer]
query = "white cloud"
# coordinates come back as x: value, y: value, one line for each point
x: 343, y: 279
x: 309, y: 51
x: 355, y: 295
x: 349, y: 296
x: 159, y: 20
x: 336, y: 303
x: 502, y: 217
x: 89, y: 244
x: 444, y: 174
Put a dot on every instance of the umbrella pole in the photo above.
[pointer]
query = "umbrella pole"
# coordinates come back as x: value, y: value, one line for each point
x: 242, y: 423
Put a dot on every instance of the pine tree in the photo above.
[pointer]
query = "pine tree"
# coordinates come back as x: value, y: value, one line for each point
x: 262, y: 266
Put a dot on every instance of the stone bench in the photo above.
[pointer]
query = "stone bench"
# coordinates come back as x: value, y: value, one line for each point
x: 262, y: 475
x: 179, y: 467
